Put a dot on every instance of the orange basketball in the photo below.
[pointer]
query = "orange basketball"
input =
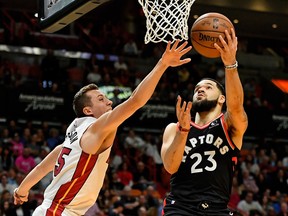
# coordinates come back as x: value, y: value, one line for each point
x: 205, y: 32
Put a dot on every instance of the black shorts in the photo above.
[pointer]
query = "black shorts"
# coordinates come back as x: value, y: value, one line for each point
x: 204, y: 208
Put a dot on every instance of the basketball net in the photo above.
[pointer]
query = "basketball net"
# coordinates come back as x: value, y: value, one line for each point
x: 166, y: 19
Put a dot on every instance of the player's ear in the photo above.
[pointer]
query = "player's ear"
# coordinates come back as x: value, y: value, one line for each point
x: 87, y: 110
x: 222, y: 99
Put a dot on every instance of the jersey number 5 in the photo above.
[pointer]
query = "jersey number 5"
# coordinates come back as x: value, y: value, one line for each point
x: 61, y: 160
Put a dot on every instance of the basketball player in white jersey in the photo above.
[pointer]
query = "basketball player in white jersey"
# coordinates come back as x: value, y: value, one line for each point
x: 80, y: 163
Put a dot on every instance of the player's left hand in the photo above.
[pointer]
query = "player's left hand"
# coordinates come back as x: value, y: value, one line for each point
x: 19, y: 199
x: 183, y: 113
x: 174, y: 52
x: 228, y: 52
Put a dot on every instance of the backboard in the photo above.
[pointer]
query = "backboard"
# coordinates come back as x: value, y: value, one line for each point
x: 56, y: 14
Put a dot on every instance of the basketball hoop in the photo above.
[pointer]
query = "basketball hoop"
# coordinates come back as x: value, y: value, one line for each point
x: 166, y: 19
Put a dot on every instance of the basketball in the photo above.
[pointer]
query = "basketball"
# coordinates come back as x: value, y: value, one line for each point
x: 205, y: 32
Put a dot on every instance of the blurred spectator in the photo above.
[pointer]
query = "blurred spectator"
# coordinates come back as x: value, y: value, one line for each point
x: 263, y: 181
x: 5, y: 185
x: 248, y: 205
x: 26, y: 136
x: 130, y: 47
x: 7, y: 159
x: 33, y: 145
x: 235, y: 196
x: 125, y: 175
x: 117, y: 207
x: 142, y: 211
x: 120, y: 64
x: 5, y: 137
x: 249, y: 182
x: 250, y: 164
x: 115, y: 183
x: 11, y: 177
x: 285, y: 162
x: 13, y: 127
x: 267, y: 205
x: 151, y: 148
x: 94, y: 75
x: 41, y: 136
x: 152, y: 201
x: 25, y: 162
x: 134, y: 141
x: 53, y: 139
x: 280, y: 182
x: 17, y: 145
x: 283, y: 209
x: 115, y: 159
x: 130, y: 202
x: 116, y: 98
x: 141, y: 177
x: 7, y: 207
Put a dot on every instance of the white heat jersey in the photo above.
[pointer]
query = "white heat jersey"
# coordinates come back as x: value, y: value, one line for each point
x: 77, y: 177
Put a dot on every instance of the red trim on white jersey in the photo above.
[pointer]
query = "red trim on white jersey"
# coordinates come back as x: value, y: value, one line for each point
x: 68, y: 191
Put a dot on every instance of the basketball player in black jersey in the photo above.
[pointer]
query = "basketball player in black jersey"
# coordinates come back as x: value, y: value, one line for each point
x: 201, y: 154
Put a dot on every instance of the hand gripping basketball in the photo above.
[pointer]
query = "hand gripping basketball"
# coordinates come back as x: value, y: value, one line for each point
x: 205, y: 32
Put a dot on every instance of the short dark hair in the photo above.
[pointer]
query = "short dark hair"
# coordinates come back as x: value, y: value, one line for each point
x: 81, y: 99
x: 218, y: 84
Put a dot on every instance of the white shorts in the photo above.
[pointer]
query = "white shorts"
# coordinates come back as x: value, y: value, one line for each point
x: 41, y: 211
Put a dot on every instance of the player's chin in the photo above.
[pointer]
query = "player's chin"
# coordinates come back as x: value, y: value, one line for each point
x: 199, y: 98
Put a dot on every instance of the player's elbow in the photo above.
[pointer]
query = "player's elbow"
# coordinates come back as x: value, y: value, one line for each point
x: 136, y: 101
x: 170, y: 168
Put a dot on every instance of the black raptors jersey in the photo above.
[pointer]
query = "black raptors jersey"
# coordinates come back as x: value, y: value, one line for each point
x: 206, y: 170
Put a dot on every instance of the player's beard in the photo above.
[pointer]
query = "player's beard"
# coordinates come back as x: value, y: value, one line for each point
x: 204, y: 105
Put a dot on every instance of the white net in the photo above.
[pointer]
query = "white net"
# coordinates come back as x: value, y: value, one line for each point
x: 166, y: 19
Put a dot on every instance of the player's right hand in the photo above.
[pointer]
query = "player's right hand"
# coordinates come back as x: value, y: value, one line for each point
x: 183, y: 113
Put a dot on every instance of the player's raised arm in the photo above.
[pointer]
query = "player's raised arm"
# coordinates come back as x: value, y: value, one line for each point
x: 236, y: 117
x: 143, y: 92
x: 109, y: 121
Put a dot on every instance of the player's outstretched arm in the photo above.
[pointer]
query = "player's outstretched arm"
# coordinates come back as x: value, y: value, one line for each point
x: 235, y: 116
x: 170, y: 58
x: 41, y: 170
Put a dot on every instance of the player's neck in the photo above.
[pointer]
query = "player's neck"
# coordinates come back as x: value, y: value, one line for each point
x: 203, y: 118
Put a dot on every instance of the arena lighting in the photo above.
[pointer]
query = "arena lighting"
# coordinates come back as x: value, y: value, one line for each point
x: 58, y: 53
x: 282, y: 84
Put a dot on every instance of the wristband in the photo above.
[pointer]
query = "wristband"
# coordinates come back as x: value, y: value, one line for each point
x: 181, y: 129
x: 228, y: 67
